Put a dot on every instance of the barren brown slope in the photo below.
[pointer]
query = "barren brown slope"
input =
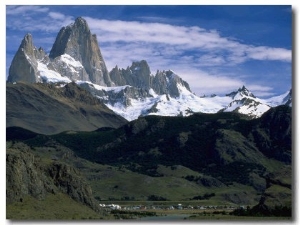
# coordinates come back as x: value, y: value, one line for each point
x: 50, y: 109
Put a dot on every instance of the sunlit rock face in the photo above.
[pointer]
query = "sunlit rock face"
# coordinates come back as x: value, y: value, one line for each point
x: 77, y: 41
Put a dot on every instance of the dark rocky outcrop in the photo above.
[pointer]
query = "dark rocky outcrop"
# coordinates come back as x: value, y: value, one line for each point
x: 232, y: 146
x: 68, y: 180
x: 30, y: 175
x: 23, y: 175
x: 278, y: 189
x: 273, y: 134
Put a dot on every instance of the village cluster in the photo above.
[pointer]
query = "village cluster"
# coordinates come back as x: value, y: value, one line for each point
x: 166, y: 207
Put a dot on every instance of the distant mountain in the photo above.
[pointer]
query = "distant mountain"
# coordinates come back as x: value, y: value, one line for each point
x: 131, y: 102
x: 51, y: 108
x: 244, y: 102
x: 131, y: 92
x: 284, y: 99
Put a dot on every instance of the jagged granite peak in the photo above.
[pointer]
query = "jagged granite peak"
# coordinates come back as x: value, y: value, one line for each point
x: 246, y: 92
x: 77, y: 41
x: 244, y: 102
x: 27, y: 44
x: 137, y: 75
x: 241, y: 92
x: 176, y: 84
x: 61, y: 44
x: 24, y: 64
x: 116, y: 75
x: 167, y: 82
x: 159, y: 83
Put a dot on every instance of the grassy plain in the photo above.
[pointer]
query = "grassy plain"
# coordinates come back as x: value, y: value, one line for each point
x: 53, y: 207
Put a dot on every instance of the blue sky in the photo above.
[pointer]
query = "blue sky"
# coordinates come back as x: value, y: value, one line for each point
x: 216, y: 49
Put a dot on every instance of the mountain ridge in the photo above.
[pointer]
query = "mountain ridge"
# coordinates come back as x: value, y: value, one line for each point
x: 134, y: 91
x: 49, y: 108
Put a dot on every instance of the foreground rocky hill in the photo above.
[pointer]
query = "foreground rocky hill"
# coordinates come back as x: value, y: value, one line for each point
x: 29, y: 175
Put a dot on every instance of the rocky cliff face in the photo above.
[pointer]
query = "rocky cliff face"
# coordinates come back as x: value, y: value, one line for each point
x: 23, y: 176
x: 139, y: 75
x: 27, y: 174
x: 167, y: 82
x: 75, y: 55
x: 24, y: 66
x: 77, y: 41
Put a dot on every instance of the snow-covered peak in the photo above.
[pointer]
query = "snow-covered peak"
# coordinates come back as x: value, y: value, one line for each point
x: 241, y: 93
x: 284, y: 99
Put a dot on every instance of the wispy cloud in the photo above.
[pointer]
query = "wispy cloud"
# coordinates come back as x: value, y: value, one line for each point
x: 185, y: 38
x: 203, y: 82
x: 57, y: 16
x: 267, y: 53
x: 35, y: 18
x: 187, y: 50
x: 260, y: 90
x: 25, y: 10
x: 159, y: 19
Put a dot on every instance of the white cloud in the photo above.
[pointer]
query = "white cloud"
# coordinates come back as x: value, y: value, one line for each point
x: 57, y: 16
x: 261, y: 90
x: 267, y: 53
x: 23, y: 10
x: 202, y: 82
x: 35, y: 18
x: 211, y: 60
x: 185, y: 38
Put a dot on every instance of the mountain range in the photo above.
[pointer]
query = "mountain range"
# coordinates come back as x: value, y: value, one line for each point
x: 132, y: 92
x: 80, y: 134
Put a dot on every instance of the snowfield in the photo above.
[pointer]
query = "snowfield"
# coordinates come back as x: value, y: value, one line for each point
x: 50, y: 75
x: 242, y: 101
